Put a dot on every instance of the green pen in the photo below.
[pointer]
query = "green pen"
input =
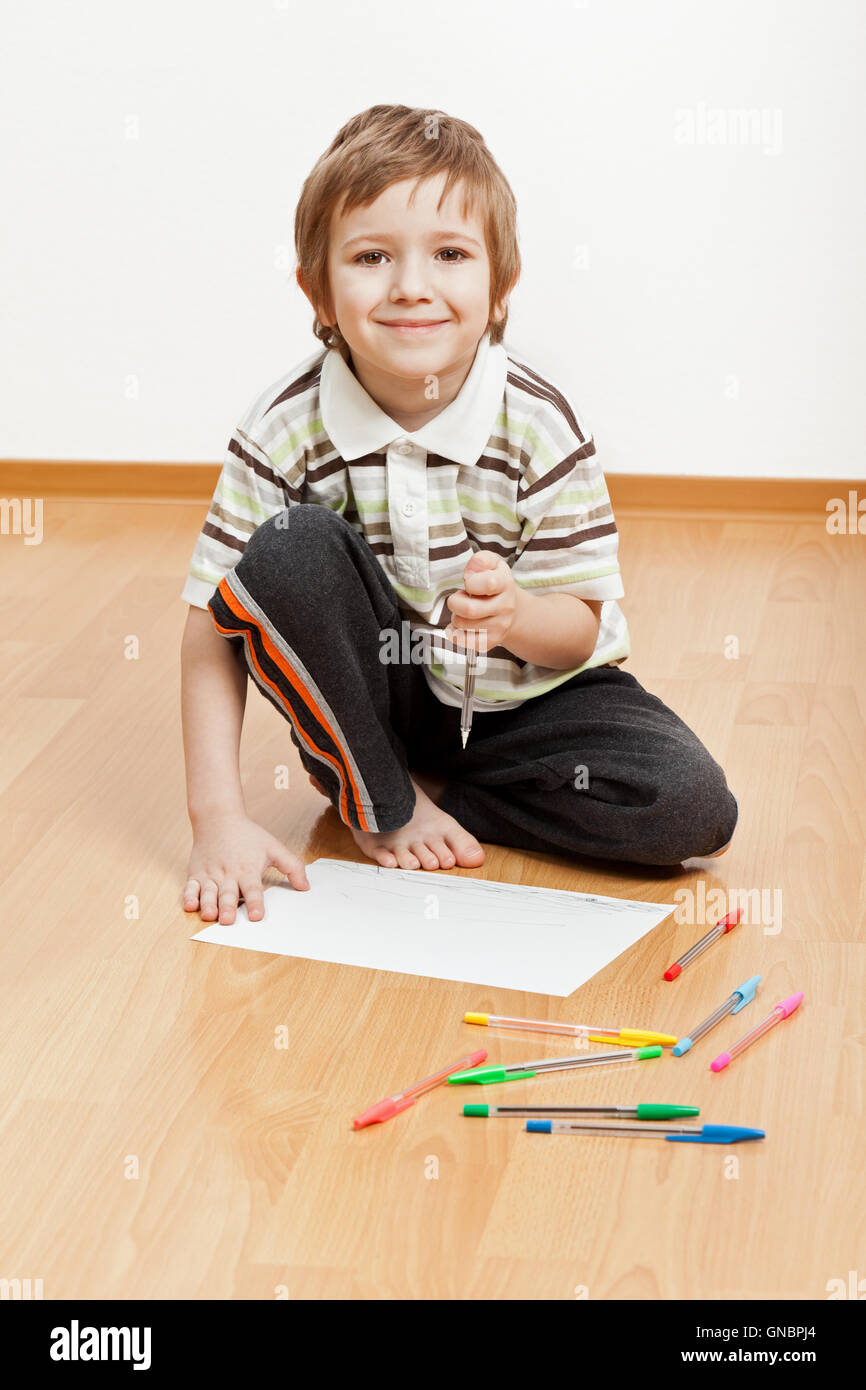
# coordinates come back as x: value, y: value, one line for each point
x: 553, y: 1112
x: 521, y: 1071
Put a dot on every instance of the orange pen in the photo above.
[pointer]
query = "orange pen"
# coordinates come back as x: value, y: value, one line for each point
x: 403, y: 1099
x: 714, y: 934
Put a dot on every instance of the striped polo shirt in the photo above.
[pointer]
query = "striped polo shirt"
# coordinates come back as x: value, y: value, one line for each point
x: 508, y: 466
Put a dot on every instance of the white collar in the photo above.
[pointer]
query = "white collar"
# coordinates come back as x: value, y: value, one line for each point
x: 356, y: 425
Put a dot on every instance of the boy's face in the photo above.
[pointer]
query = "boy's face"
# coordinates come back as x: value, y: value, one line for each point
x: 392, y: 264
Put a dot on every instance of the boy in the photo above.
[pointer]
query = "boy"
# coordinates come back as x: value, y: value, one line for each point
x: 416, y: 478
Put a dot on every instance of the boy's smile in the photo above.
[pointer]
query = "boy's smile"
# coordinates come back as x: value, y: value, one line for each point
x: 410, y: 292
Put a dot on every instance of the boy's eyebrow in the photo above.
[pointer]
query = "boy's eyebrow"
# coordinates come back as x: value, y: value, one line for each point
x: 433, y: 236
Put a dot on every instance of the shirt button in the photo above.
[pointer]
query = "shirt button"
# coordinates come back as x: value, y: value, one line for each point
x: 408, y: 508
x: 404, y: 448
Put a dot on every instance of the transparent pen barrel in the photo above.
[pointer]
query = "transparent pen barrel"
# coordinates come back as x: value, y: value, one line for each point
x: 721, y: 1012
x: 603, y: 1059
x: 642, y: 1128
x: 757, y: 1032
x: 700, y: 947
x: 568, y: 1030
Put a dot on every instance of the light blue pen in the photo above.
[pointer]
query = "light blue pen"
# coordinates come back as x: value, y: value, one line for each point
x: 676, y: 1134
x: 743, y: 995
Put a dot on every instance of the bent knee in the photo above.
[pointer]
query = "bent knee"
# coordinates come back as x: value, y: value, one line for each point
x: 289, y: 552
x: 695, y: 813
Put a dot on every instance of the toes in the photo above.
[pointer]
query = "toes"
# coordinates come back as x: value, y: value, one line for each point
x: 443, y: 853
x: 406, y: 859
x: 467, y: 849
x: 424, y: 854
x: 386, y: 859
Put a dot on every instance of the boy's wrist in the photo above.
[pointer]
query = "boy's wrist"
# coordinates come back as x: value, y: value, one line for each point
x: 521, y: 622
x: 214, y: 810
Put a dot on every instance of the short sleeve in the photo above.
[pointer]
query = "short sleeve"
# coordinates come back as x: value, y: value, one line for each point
x: 568, y: 541
x: 249, y: 491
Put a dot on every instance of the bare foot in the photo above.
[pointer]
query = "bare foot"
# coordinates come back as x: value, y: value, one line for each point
x: 430, y: 840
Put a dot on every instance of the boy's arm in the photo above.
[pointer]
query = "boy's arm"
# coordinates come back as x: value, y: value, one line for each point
x: 213, y: 699
x: 555, y: 630
x: 566, y: 566
x: 230, y: 852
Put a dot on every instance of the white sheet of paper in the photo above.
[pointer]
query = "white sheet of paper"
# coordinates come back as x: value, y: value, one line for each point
x: 477, y: 931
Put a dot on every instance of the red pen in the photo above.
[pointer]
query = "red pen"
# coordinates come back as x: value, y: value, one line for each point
x: 403, y: 1099
x: 719, y: 930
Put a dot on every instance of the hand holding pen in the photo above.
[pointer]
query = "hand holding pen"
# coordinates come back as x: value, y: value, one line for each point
x: 482, y: 613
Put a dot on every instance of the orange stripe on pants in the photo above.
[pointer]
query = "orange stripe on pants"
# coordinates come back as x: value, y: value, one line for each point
x: 343, y: 768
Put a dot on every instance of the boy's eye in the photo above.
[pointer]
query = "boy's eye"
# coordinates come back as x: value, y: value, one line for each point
x: 451, y: 250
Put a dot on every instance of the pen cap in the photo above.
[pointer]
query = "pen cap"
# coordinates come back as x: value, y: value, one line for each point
x: 731, y: 920
x: 790, y: 1004
x: 538, y: 1127
x: 747, y: 990
x: 642, y: 1037
x: 644, y: 1052
x: 475, y: 1018
x: 478, y: 1111
x: 647, y: 1111
x: 383, y: 1111
x: 716, y: 1134
x: 482, y: 1076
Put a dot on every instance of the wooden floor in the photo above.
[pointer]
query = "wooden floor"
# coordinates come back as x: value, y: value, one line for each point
x: 155, y: 1143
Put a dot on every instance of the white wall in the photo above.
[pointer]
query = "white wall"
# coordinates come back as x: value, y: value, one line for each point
x: 701, y: 301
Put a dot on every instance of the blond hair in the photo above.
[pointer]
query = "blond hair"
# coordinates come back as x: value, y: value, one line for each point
x: 387, y: 144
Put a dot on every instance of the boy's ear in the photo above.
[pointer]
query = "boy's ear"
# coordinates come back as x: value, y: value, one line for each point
x: 300, y: 279
x: 322, y: 314
x: 499, y: 311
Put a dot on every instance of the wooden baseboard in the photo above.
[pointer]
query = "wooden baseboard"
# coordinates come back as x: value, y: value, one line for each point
x: 630, y: 492
x: 147, y: 482
x: 637, y: 492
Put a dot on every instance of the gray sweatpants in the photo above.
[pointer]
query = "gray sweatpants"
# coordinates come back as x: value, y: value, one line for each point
x: 596, y: 767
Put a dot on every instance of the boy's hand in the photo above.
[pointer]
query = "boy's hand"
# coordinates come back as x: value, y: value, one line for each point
x: 487, y: 602
x: 229, y: 855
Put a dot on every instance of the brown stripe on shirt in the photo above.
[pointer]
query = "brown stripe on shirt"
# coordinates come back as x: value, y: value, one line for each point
x: 495, y: 465
x: 548, y: 392
x: 298, y: 386
x: 540, y: 542
x: 262, y: 469
x: 562, y: 469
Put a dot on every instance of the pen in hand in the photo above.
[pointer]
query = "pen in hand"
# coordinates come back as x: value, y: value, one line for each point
x: 468, y: 694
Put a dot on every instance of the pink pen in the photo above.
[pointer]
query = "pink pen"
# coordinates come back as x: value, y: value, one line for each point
x: 385, y: 1109
x: 783, y: 1010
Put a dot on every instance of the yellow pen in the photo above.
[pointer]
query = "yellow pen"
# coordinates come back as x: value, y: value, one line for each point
x: 638, y: 1036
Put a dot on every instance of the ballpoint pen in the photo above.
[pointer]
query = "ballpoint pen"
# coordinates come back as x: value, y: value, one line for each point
x: 682, y: 1134
x: 468, y: 694
x: 742, y: 995
x: 385, y: 1109
x: 521, y: 1071
x: 638, y: 1037
x: 782, y: 1010
x: 555, y: 1112
x: 714, y: 934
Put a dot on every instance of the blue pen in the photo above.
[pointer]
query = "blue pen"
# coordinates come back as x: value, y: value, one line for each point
x: 678, y: 1134
x: 743, y: 995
